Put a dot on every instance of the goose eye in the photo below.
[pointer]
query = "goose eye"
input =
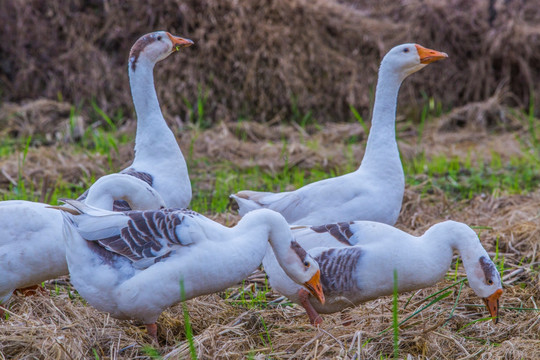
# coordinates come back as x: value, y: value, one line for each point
x: 406, y: 50
x: 306, y: 264
x: 490, y: 282
x: 159, y: 38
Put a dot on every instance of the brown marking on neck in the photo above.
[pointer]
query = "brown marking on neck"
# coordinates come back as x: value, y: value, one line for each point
x: 298, y: 250
x: 490, y: 272
x: 341, y: 231
x: 138, y: 47
x: 141, y: 175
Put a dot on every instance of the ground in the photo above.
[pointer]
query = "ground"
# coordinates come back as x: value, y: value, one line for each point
x: 485, y: 175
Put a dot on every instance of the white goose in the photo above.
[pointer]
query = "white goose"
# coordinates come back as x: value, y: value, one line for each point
x: 361, y: 267
x: 158, y: 159
x: 133, y: 265
x: 32, y: 248
x: 374, y: 191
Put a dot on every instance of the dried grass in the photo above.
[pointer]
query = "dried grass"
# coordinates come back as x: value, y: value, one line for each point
x: 57, y: 327
x: 261, y: 59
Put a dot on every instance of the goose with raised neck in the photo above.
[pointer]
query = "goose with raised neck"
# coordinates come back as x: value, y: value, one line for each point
x: 32, y: 247
x: 134, y: 265
x: 361, y: 268
x: 375, y: 190
x: 158, y: 158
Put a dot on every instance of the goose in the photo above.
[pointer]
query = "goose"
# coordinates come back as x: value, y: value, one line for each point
x: 158, y: 158
x: 134, y: 265
x: 32, y: 248
x: 375, y: 190
x: 361, y: 267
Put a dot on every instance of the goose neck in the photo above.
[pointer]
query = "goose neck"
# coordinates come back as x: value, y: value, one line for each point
x: 102, y: 201
x: 382, y: 135
x: 144, y: 95
x: 460, y: 238
x: 270, y: 227
x: 113, y: 187
x: 150, y: 121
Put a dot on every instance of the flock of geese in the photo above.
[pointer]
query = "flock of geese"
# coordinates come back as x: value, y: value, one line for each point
x: 132, y: 248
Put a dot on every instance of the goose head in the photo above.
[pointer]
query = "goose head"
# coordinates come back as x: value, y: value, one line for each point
x: 293, y: 259
x: 482, y: 274
x: 306, y: 271
x: 406, y: 59
x: 485, y: 281
x: 155, y: 47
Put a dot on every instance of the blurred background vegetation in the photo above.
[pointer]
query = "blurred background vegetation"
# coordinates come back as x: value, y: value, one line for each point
x: 279, y: 60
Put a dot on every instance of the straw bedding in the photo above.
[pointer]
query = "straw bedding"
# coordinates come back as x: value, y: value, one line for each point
x: 224, y: 326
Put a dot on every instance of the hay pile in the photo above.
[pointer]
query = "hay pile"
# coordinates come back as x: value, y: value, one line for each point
x: 267, y: 60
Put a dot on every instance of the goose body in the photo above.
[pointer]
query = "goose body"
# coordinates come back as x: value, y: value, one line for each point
x: 32, y: 248
x: 375, y: 190
x: 357, y: 262
x: 158, y: 159
x: 134, y: 265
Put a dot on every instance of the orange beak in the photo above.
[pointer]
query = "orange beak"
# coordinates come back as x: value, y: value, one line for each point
x: 427, y: 56
x: 179, y: 42
x: 492, y: 303
x: 315, y: 287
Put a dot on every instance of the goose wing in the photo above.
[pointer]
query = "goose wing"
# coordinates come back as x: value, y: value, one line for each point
x: 327, y: 235
x: 285, y: 203
x: 338, y: 269
x: 144, y: 237
x: 314, y: 203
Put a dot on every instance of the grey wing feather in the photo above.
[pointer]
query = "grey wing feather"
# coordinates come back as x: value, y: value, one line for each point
x: 144, y: 237
x: 338, y: 268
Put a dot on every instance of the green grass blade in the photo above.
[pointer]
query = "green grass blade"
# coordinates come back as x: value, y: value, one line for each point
x: 395, y: 324
x: 439, y: 298
x: 187, y: 323
x: 455, y: 304
x: 360, y: 119
x: 104, y: 116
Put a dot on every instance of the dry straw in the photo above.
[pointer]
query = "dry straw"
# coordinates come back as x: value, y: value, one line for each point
x: 263, y: 59
x: 62, y: 326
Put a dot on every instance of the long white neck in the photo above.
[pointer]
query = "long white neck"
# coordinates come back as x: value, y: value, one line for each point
x: 153, y: 136
x: 424, y: 260
x: 258, y: 228
x: 381, y: 145
x: 461, y: 238
x: 138, y: 194
x: 467, y: 243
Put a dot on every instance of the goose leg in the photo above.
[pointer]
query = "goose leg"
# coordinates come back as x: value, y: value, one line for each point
x: 32, y: 290
x: 152, y: 331
x: 314, y: 318
x: 346, y: 319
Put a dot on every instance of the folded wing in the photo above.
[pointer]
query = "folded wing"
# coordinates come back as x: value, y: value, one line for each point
x: 144, y: 237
